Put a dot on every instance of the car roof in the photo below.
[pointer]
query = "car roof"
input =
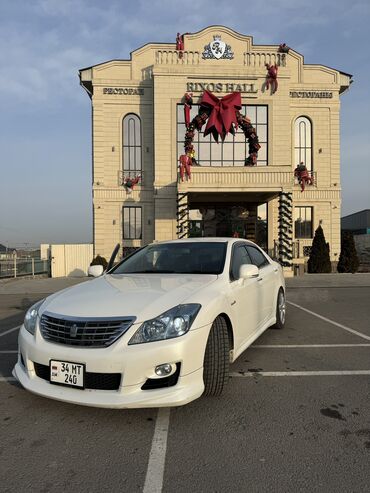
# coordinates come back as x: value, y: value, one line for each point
x: 205, y: 240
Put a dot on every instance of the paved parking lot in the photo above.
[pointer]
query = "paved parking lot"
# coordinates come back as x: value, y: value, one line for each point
x: 295, y: 415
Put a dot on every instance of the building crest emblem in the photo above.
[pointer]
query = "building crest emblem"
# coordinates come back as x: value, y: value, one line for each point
x: 217, y: 49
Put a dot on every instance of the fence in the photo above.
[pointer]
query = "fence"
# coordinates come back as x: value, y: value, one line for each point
x: 19, y: 267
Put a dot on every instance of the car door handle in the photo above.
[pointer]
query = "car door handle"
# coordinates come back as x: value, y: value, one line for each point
x: 260, y: 279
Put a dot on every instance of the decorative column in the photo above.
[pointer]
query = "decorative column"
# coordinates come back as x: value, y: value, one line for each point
x: 286, y: 229
x: 182, y: 215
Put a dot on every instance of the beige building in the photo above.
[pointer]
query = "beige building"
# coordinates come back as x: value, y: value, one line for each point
x: 138, y: 128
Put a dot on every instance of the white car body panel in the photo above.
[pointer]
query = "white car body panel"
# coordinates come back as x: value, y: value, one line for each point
x: 249, y: 304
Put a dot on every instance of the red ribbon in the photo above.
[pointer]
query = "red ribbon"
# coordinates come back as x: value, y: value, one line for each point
x: 223, y: 115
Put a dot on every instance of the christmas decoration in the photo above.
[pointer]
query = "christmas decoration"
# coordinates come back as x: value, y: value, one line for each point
x: 129, y: 183
x: 180, y: 44
x: 185, y: 161
x: 303, y: 176
x: 284, y: 48
x: 222, y: 116
x: 348, y: 259
x: 250, y: 134
x: 319, y: 261
x: 285, y: 229
x: 188, y: 98
x: 271, y: 77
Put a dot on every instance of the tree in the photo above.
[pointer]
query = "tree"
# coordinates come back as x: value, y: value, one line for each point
x: 98, y: 260
x: 348, y: 259
x: 319, y: 261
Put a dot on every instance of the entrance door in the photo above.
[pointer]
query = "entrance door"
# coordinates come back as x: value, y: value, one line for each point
x: 233, y: 220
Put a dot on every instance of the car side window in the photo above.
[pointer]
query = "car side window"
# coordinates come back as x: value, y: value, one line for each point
x: 257, y: 257
x: 239, y: 258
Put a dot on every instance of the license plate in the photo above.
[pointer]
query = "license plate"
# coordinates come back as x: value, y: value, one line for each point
x: 67, y: 373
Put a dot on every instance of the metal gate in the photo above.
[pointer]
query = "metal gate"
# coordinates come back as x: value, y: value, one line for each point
x: 70, y: 260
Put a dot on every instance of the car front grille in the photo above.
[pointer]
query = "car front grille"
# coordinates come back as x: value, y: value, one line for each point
x: 86, y: 332
x: 97, y: 381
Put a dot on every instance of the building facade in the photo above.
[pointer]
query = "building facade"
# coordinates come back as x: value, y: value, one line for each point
x: 138, y: 129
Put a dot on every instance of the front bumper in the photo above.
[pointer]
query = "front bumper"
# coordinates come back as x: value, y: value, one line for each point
x: 135, y: 364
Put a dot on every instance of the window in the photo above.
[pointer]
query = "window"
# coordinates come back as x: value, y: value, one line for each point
x: 303, y: 222
x: 240, y: 257
x: 234, y: 149
x: 131, y: 140
x: 303, y: 142
x: 257, y: 257
x: 132, y: 223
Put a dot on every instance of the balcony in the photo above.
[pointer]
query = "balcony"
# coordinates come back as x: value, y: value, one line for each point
x: 274, y: 178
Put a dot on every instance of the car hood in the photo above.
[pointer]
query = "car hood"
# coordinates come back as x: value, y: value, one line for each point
x: 140, y: 295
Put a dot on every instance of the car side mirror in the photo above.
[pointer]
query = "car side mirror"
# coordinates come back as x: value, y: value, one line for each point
x: 247, y: 271
x: 95, y: 270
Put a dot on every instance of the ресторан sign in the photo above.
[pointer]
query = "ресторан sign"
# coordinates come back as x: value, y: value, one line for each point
x: 124, y: 90
x: 311, y: 94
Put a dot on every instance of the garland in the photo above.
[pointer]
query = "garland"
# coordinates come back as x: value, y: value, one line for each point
x: 204, y: 113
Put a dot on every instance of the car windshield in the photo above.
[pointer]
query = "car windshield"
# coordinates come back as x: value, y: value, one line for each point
x: 176, y: 258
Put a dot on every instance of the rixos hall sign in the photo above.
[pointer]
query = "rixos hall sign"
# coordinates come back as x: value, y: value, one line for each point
x: 221, y: 87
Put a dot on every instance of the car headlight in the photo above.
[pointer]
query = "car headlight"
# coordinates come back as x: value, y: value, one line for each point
x: 31, y: 317
x: 173, y: 323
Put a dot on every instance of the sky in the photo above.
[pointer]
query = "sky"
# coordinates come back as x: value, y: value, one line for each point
x: 45, y: 126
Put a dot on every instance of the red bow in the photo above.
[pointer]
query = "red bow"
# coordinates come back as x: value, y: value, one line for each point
x: 223, y: 115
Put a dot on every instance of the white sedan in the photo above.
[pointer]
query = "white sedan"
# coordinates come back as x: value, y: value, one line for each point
x: 159, y: 329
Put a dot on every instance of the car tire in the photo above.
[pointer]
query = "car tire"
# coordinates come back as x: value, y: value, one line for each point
x: 280, y: 310
x: 216, y: 358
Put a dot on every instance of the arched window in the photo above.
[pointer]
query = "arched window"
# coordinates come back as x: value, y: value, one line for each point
x: 131, y: 139
x: 303, y: 142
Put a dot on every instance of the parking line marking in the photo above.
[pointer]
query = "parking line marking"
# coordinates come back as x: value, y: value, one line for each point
x: 10, y: 330
x: 157, y: 457
x: 290, y: 346
x: 324, y: 373
x: 348, y: 329
x: 8, y: 379
x: 8, y: 352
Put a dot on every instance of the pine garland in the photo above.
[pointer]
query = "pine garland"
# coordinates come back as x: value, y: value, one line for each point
x: 244, y: 123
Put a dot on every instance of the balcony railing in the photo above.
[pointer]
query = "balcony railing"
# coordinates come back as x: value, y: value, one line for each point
x: 172, y: 57
x: 255, y: 59
x: 251, y: 59
x: 272, y: 177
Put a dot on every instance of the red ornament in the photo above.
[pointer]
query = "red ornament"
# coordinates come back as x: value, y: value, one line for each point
x: 283, y: 48
x: 271, y: 77
x: 180, y: 44
x: 185, y: 164
x: 303, y: 176
x: 129, y: 183
x: 187, y: 107
x: 222, y: 119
